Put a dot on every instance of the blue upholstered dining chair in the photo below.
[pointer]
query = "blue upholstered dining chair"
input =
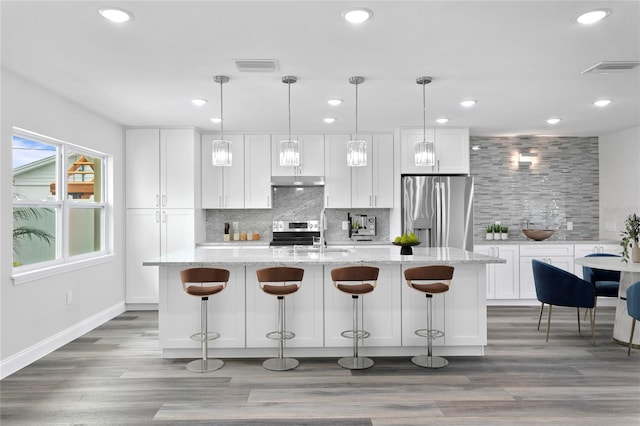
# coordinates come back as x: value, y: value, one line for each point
x: 555, y: 286
x: 606, y: 282
x: 633, y: 308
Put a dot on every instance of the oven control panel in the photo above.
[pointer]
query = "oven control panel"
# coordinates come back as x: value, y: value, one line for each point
x: 296, y: 226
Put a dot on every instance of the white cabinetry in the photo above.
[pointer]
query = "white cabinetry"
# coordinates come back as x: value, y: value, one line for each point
x: 503, y: 280
x: 559, y: 255
x: 223, y: 187
x: 372, y: 185
x: 304, y: 314
x: 581, y: 250
x: 311, y: 151
x: 451, y: 150
x: 161, y: 194
x: 380, y: 312
x: 337, y: 175
x: 257, y: 172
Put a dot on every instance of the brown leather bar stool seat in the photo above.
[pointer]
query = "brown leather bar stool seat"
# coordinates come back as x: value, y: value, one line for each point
x: 429, y: 280
x: 280, y: 281
x: 356, y: 281
x: 202, y: 283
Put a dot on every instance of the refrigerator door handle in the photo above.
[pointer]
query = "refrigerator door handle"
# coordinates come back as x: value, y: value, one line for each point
x: 439, y: 228
x: 445, y: 193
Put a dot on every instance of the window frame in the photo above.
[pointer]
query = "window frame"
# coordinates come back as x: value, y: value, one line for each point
x: 63, y: 205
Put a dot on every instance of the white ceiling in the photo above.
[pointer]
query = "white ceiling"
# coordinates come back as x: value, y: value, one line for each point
x: 522, y: 61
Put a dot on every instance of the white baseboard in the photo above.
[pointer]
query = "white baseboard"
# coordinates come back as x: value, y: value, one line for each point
x: 35, y: 352
x: 142, y: 306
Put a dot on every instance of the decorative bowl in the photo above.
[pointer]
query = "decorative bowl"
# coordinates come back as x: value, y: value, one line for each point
x: 406, y: 247
x: 538, y: 234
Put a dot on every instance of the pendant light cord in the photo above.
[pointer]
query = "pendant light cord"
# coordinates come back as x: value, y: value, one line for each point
x: 424, y: 114
x: 356, y: 138
x: 289, y: 100
x: 221, y: 114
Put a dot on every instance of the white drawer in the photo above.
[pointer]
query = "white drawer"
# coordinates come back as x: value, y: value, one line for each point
x: 546, y: 250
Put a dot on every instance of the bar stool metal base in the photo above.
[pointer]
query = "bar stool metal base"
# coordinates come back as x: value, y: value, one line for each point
x: 355, y: 362
x: 204, y: 365
x: 427, y: 361
x: 280, y: 364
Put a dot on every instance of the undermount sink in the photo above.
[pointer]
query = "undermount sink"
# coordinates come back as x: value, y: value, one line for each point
x: 538, y: 234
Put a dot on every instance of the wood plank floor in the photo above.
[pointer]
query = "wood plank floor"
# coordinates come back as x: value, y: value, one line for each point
x: 114, y: 375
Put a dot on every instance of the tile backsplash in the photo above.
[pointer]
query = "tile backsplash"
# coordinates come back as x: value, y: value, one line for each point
x: 559, y: 186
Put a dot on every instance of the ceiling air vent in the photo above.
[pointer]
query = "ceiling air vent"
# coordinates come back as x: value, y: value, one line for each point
x: 256, y: 65
x: 611, y: 67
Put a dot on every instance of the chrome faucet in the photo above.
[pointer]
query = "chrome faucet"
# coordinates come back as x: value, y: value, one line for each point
x: 323, y: 222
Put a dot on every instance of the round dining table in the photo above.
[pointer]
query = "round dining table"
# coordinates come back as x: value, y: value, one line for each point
x: 629, y: 274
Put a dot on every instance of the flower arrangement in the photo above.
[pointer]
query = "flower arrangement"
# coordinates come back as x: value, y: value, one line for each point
x: 631, y: 238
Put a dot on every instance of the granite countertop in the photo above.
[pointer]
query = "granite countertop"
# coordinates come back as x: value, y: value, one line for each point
x: 263, y: 255
x: 549, y: 241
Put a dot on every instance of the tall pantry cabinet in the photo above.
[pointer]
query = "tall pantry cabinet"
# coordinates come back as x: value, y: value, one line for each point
x: 162, y: 192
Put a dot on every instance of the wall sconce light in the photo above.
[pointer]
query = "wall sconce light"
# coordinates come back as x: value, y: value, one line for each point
x: 526, y: 159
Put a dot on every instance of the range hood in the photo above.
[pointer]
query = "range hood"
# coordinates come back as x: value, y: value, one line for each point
x: 297, y: 180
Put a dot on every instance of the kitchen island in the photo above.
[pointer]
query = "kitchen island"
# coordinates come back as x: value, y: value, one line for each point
x: 318, y: 312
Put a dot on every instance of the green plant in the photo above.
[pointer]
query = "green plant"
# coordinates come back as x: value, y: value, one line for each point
x: 631, y: 234
x: 22, y: 214
x: 489, y: 229
x: 504, y: 229
x: 496, y: 228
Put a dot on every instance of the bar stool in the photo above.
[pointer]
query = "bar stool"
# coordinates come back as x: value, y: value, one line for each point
x: 356, y: 281
x: 217, y: 281
x: 429, y: 280
x: 291, y: 280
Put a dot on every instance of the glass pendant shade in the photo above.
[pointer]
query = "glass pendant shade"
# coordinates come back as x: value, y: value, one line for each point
x: 424, y: 153
x: 357, y: 153
x: 289, y: 153
x: 221, y: 154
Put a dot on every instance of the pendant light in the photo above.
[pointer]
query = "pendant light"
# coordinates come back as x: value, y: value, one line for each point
x: 356, y: 148
x: 289, y: 148
x: 424, y: 149
x: 221, y: 148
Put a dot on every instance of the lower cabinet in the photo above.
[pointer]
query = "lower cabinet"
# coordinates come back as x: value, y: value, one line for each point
x: 582, y: 250
x: 559, y: 255
x: 303, y: 311
x: 502, y: 279
x: 380, y: 310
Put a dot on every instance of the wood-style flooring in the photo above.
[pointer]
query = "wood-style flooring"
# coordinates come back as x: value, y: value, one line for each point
x: 114, y: 375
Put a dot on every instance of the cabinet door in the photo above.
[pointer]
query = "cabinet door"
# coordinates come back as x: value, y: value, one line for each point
x: 312, y: 156
x: 276, y: 168
x: 582, y: 250
x: 257, y: 167
x: 491, y: 282
x: 304, y: 311
x: 142, y: 243
x: 337, y: 175
x: 382, y: 179
x: 177, y: 230
x: 362, y: 177
x: 506, y: 276
x: 222, y: 187
x: 408, y: 139
x: 177, y: 171
x: 452, y: 150
x: 142, y: 154
x: 527, y: 284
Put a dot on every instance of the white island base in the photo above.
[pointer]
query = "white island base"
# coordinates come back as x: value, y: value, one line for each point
x: 318, y: 312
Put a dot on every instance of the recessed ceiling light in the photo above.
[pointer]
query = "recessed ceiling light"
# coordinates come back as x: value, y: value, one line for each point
x: 593, y: 16
x: 334, y: 102
x: 115, y: 14
x: 357, y: 16
x: 216, y: 120
x: 198, y: 102
x: 553, y: 120
x: 602, y: 102
x: 329, y: 120
x: 441, y: 120
x: 468, y: 103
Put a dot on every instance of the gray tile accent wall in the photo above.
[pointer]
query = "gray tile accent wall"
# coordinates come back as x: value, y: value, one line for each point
x: 561, y: 185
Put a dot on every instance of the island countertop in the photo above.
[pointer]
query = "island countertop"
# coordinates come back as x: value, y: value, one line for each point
x: 344, y: 255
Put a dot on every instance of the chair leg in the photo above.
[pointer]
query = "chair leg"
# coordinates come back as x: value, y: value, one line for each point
x: 540, y: 317
x: 355, y: 362
x: 633, y: 326
x: 281, y: 363
x: 204, y: 365
x: 592, y: 321
x: 578, y: 310
x: 549, y: 322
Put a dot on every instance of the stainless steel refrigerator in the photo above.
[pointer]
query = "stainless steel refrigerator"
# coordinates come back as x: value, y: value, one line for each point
x: 439, y: 210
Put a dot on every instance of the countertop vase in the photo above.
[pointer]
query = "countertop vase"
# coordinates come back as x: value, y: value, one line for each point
x: 635, y: 253
x: 406, y: 249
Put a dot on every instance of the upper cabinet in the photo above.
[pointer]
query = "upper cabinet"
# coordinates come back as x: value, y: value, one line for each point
x: 160, y: 168
x: 337, y: 175
x: 223, y: 187
x: 451, y: 150
x: 311, y: 149
x: 257, y: 171
x: 372, y: 185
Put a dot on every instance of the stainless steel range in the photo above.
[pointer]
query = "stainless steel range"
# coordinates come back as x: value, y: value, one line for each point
x: 294, y: 232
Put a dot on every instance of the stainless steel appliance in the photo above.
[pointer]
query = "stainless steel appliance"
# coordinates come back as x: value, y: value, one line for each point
x: 294, y: 232
x: 362, y: 227
x: 439, y: 210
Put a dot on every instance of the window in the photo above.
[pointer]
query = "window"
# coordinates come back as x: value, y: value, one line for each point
x: 59, y: 209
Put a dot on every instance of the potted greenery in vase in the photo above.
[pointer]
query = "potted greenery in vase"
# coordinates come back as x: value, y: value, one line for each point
x: 489, y: 232
x: 504, y: 232
x: 631, y: 237
x: 497, y: 231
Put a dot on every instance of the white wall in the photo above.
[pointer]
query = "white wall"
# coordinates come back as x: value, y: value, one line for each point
x: 35, y: 317
x: 619, y: 180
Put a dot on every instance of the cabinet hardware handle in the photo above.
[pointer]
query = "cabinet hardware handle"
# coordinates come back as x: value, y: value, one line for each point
x: 164, y: 217
x: 157, y: 216
x: 370, y: 200
x: 326, y: 204
x: 438, y: 165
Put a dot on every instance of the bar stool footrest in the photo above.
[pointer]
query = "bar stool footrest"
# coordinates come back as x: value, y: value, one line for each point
x: 424, y: 332
x: 204, y: 365
x: 355, y: 334
x: 427, y: 361
x: 355, y: 363
x: 276, y: 335
x: 198, y: 337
